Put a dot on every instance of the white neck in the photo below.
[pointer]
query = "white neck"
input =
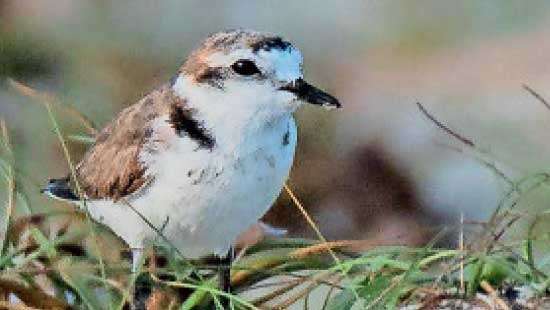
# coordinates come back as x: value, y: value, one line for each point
x: 235, y: 116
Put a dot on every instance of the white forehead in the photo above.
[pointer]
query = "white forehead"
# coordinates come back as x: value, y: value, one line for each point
x: 285, y: 64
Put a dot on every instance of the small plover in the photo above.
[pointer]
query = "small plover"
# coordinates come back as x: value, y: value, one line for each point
x: 204, y: 156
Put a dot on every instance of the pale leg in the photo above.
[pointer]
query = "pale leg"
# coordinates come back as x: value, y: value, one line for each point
x: 137, y: 254
x: 224, y: 276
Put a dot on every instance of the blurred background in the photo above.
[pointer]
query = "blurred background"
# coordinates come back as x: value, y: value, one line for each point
x: 377, y: 169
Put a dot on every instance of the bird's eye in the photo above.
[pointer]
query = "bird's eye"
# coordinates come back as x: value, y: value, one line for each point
x: 245, y: 67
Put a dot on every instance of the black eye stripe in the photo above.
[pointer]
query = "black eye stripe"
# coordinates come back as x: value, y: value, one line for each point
x: 245, y: 67
x: 211, y: 75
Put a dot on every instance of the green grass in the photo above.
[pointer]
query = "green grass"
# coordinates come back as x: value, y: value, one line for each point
x: 40, y: 265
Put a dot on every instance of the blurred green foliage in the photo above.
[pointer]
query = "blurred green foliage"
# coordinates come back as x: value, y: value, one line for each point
x: 22, y: 57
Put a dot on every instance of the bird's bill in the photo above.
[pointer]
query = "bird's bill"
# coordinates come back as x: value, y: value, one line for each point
x: 311, y: 94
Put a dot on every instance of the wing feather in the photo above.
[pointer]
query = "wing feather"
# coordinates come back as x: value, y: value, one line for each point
x: 111, y: 168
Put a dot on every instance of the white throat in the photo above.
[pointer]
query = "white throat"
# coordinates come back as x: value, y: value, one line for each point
x: 234, y: 114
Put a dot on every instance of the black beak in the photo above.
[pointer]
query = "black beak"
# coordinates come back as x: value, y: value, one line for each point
x: 311, y: 94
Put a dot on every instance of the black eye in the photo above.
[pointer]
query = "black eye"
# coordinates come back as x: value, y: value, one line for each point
x: 245, y: 67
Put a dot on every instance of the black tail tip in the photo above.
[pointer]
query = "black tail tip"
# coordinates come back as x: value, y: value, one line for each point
x: 59, y: 188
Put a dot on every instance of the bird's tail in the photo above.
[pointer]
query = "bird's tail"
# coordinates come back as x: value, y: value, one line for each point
x: 60, y: 189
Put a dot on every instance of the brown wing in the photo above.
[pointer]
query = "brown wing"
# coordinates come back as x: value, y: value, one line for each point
x: 111, y: 168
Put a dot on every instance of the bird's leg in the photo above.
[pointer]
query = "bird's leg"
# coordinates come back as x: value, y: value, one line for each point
x: 137, y: 255
x: 225, y: 277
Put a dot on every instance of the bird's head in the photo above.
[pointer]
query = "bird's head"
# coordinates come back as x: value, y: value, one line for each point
x: 244, y: 68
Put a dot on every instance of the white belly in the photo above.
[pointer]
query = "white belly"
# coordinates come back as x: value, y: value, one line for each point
x: 205, y: 198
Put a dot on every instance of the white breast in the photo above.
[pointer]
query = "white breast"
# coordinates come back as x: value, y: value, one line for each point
x: 204, y: 198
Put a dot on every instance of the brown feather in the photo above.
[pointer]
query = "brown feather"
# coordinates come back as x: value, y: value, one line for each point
x: 111, y: 168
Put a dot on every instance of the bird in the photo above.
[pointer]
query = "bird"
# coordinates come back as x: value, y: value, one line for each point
x: 202, y: 157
